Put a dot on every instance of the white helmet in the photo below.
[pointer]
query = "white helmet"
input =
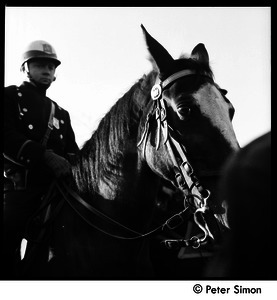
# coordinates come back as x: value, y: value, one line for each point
x: 40, y: 49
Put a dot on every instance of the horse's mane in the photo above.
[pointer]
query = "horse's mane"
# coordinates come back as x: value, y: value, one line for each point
x: 102, y: 155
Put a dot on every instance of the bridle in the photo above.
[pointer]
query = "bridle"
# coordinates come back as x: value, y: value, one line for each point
x: 195, y: 202
x: 195, y: 194
x: 184, y: 173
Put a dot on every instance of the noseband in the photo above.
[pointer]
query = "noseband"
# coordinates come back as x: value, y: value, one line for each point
x: 195, y: 194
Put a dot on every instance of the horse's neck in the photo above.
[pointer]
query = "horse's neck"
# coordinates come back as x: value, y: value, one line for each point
x: 134, y: 195
x: 136, y: 182
x: 107, y: 191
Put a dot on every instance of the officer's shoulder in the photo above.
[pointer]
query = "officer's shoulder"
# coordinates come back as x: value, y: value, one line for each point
x: 11, y: 91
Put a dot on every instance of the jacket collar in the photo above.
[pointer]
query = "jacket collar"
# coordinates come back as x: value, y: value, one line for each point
x: 33, y: 87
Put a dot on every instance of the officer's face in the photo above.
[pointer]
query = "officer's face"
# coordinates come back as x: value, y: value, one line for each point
x: 42, y: 71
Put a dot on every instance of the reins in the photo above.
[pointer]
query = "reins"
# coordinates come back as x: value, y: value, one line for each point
x: 195, y: 195
x: 72, y: 198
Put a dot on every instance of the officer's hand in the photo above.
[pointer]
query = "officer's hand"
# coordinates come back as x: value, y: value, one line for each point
x: 59, y: 165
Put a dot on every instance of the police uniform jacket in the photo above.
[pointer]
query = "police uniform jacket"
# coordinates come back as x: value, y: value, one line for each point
x: 26, y: 116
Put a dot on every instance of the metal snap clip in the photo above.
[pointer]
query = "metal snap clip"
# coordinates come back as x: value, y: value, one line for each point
x: 195, y: 242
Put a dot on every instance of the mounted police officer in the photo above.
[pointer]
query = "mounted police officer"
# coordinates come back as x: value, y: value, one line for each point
x: 39, y: 143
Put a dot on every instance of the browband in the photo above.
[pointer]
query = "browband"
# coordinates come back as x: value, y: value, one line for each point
x: 158, y: 88
x: 176, y: 76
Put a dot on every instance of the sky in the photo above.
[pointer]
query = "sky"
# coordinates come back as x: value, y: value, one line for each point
x: 103, y: 53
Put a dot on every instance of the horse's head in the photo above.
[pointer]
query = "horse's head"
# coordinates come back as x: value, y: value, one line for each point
x: 190, y: 131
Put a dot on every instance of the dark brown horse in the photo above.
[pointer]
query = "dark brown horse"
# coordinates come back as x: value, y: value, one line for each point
x: 173, y: 124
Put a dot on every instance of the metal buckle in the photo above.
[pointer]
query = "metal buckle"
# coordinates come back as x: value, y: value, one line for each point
x: 171, y: 244
x: 188, y: 168
x: 176, y: 244
x: 176, y: 218
x: 195, y: 242
x: 163, y: 114
x: 181, y: 181
x: 205, y: 194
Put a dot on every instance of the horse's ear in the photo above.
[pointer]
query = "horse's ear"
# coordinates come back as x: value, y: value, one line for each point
x: 160, y: 55
x: 200, y: 53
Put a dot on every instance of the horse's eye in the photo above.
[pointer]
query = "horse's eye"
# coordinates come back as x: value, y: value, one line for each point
x: 183, y: 112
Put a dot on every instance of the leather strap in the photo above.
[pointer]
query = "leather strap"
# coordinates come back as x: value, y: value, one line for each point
x: 50, y: 125
x: 176, y: 76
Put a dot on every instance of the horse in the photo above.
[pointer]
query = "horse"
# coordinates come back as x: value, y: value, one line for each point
x: 173, y: 124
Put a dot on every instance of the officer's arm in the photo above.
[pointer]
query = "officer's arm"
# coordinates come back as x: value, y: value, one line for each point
x: 71, y: 147
x: 17, y: 147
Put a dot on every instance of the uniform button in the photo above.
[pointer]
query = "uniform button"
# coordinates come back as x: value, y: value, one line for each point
x: 25, y: 109
x: 31, y: 126
x: 61, y: 136
x: 19, y: 94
